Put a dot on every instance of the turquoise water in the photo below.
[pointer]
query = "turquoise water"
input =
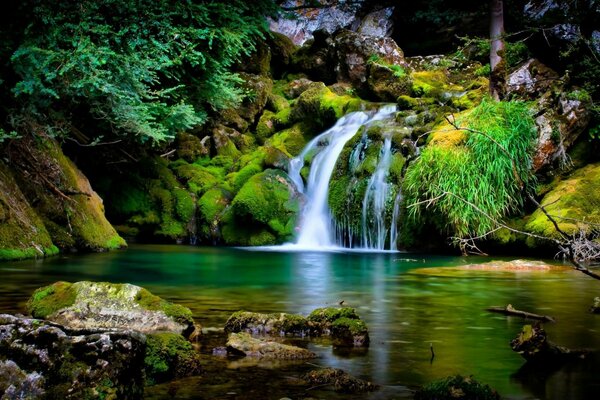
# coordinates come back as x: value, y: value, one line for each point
x: 407, y: 300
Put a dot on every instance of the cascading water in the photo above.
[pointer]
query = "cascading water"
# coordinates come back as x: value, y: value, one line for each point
x: 374, y: 230
x: 316, y: 225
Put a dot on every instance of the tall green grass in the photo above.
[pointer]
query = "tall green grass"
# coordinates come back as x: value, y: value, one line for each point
x: 479, y: 177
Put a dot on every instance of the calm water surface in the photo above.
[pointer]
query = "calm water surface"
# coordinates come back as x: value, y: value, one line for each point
x: 407, y: 300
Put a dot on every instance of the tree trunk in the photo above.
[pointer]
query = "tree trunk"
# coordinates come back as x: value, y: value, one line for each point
x: 497, y: 64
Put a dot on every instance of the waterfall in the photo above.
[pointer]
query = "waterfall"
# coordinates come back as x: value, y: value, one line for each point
x: 316, y: 226
x: 374, y: 230
x: 395, y: 219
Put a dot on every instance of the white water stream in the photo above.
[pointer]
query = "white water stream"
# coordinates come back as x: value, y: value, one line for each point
x: 316, y: 230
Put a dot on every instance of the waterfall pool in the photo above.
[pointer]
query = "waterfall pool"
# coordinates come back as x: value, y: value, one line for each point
x: 409, y: 301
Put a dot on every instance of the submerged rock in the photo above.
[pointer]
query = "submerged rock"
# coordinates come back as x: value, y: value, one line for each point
x: 243, y: 343
x: 102, y: 305
x: 44, y: 360
x: 339, y: 379
x: 456, y: 387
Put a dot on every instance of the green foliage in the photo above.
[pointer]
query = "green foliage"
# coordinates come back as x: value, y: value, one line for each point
x: 4, y: 136
x: 131, y: 64
x: 478, y: 49
x: 484, y: 70
x: 464, y: 186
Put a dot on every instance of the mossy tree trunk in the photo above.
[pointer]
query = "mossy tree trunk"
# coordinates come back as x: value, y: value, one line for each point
x: 497, y: 63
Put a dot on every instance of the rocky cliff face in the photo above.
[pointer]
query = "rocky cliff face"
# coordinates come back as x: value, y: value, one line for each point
x: 304, y: 18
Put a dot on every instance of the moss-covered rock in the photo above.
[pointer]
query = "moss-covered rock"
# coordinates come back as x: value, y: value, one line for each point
x: 22, y: 232
x: 63, y: 197
x: 268, y: 324
x: 349, y: 332
x: 456, y: 387
x: 211, y: 206
x: 573, y: 202
x: 190, y: 147
x: 243, y: 343
x: 320, y: 107
x: 102, y: 305
x: 387, y: 83
x: 267, y: 204
x: 169, y: 356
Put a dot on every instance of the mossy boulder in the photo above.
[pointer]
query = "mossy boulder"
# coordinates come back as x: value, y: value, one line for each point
x: 456, y: 387
x: 320, y: 107
x: 349, y: 332
x: 71, y: 210
x: 190, y: 147
x: 260, y: 88
x: 388, y: 83
x: 263, y: 211
x: 103, y: 305
x: 321, y: 319
x: 210, y: 212
x: 573, y: 202
x: 244, y: 344
x: 22, y: 232
x: 169, y: 356
x: 268, y: 324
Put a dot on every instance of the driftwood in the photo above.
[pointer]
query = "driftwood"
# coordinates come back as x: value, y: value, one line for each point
x: 534, y: 346
x: 510, y: 310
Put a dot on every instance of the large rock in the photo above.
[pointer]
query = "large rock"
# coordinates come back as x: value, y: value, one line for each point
x: 361, y: 16
x: 344, y: 55
x: 62, y: 196
x: 44, y: 360
x: 243, y: 343
x: 343, y: 324
x: 107, y: 306
x: 531, y: 79
x: 22, y: 232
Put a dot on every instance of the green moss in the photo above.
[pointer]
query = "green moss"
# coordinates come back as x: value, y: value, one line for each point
x: 278, y: 103
x: 178, y: 312
x: 454, y: 387
x: 396, y: 167
x: 211, y: 206
x: 266, y: 126
x: 573, y: 202
x: 199, y: 179
x: 330, y: 314
x: 353, y: 325
x: 266, y: 199
x: 169, y: 356
x: 47, y: 300
x: 238, y: 179
x: 407, y: 103
x: 184, y: 205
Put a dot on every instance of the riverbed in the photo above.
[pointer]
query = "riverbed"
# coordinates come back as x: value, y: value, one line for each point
x: 412, y: 303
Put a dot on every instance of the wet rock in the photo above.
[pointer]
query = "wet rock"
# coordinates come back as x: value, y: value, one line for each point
x: 530, y: 80
x: 102, y: 305
x: 340, y: 380
x: 40, y: 359
x: 243, y: 343
x: 595, y: 308
x: 456, y: 387
x: 268, y: 324
x: 533, y: 345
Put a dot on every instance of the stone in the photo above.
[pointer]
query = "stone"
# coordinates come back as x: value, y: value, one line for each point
x: 531, y: 79
x: 340, y: 380
x: 190, y: 147
x: 296, y: 87
x: 267, y: 324
x: 377, y: 23
x: 387, y: 84
x: 595, y: 308
x: 39, y: 359
x: 244, y: 344
x: 108, y: 306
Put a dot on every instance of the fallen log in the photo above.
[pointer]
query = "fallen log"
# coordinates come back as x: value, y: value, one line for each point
x: 510, y: 310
